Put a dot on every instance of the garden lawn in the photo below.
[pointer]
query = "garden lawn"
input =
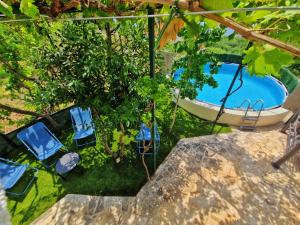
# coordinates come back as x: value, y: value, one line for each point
x: 98, y: 174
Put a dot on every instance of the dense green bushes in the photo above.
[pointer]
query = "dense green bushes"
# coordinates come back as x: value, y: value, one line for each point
x: 288, y: 79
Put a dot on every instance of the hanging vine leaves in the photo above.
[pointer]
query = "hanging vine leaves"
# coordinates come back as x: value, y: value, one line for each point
x: 54, y: 8
x: 217, y: 4
x: 171, y: 31
x: 6, y: 9
x: 28, y: 8
x: 264, y: 59
x: 278, y: 28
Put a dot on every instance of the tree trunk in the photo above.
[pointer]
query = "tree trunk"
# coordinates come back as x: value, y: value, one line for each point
x: 175, y: 112
x: 146, y: 168
x: 106, y: 147
x: 54, y: 124
x: 108, y: 39
x: 146, y: 149
x: 121, y: 141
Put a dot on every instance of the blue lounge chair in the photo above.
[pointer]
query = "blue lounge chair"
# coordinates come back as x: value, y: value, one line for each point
x: 11, y: 172
x: 145, y: 135
x: 83, y: 125
x: 40, y: 141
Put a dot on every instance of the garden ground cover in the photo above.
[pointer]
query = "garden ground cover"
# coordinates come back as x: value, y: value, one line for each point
x: 98, y: 174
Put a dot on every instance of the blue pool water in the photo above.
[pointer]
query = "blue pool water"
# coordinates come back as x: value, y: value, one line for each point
x: 254, y: 88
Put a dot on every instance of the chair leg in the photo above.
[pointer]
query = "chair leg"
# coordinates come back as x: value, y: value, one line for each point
x: 62, y: 177
x: 87, y: 143
x: 46, y: 166
x: 29, y: 184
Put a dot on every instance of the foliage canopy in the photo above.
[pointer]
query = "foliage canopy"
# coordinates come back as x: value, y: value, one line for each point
x: 104, y: 63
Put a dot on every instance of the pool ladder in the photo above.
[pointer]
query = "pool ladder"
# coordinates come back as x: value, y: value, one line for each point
x: 250, y: 119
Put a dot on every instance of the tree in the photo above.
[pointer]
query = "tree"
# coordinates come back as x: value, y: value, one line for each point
x: 18, y: 43
x: 196, y: 55
x: 19, y: 46
x: 95, y: 64
x: 103, y: 65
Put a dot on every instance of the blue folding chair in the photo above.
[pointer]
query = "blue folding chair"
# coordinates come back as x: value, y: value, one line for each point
x: 11, y: 172
x: 144, y: 136
x: 40, y: 141
x: 83, y: 125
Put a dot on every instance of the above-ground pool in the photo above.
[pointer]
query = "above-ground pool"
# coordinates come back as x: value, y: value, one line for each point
x: 265, y: 89
x: 268, y: 89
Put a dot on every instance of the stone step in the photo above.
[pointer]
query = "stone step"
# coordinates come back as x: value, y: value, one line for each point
x: 85, y: 209
x: 251, y: 118
x: 249, y: 128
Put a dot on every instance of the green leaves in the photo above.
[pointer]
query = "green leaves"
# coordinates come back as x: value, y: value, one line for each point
x: 116, y: 140
x: 254, y: 16
x: 103, y: 65
x: 281, y: 25
x: 120, y: 138
x: 29, y: 9
x: 217, y: 4
x: 6, y: 9
x: 194, y: 56
x: 276, y: 59
x: 264, y: 60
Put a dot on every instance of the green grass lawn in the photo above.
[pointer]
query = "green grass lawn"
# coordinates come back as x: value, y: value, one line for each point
x: 98, y: 174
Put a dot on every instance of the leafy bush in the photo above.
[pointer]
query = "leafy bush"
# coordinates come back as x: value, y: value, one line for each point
x: 227, y: 45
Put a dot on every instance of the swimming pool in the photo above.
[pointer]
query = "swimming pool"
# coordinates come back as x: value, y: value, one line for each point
x: 208, y: 101
x: 268, y: 89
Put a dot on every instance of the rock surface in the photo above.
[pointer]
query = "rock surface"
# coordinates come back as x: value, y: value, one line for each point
x: 224, y: 179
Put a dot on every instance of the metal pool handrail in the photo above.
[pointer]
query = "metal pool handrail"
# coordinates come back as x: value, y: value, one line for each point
x: 261, y: 107
x: 245, y: 101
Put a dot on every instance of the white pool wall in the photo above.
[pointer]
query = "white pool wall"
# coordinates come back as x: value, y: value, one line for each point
x: 232, y: 117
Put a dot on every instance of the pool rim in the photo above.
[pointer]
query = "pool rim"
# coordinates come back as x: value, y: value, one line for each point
x: 240, y: 109
x: 231, y: 116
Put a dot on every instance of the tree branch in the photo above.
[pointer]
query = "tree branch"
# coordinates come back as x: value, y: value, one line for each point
x: 242, y: 30
x: 13, y: 70
x: 53, y: 123
x: 22, y: 85
x: 264, y: 30
x: 121, y: 140
x: 19, y: 111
